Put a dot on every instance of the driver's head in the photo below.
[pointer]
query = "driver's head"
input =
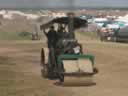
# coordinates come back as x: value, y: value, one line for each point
x: 52, y: 28
x: 61, y: 27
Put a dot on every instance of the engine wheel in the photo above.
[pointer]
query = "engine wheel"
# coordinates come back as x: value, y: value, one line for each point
x: 44, y: 66
x: 95, y: 70
x: 44, y: 71
x: 42, y: 57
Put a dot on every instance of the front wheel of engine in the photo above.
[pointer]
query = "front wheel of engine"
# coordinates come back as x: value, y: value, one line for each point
x: 44, y: 71
x: 95, y: 70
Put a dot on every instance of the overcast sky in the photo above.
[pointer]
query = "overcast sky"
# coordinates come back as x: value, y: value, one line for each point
x: 63, y: 3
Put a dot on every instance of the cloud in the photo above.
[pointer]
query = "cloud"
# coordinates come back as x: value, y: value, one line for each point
x: 62, y: 3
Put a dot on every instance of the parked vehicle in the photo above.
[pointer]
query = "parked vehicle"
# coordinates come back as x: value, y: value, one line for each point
x: 89, y: 18
x: 106, y: 34
x: 100, y: 21
x: 109, y: 29
x: 119, y: 35
x: 103, y: 30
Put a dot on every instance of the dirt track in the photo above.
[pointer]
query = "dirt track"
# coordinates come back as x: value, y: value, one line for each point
x: 22, y: 60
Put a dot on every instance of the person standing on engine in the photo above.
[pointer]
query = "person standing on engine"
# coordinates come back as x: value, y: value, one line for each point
x: 51, y: 37
x: 51, y: 42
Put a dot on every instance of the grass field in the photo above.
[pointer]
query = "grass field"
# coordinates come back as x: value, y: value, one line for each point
x: 20, y: 70
x: 15, y: 36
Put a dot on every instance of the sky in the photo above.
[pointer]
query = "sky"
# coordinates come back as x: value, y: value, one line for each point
x: 63, y: 3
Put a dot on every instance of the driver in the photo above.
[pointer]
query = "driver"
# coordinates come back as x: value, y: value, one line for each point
x: 51, y: 41
x: 51, y: 37
x: 60, y: 32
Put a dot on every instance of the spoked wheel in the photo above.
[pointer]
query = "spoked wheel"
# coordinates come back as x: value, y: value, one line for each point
x: 44, y: 66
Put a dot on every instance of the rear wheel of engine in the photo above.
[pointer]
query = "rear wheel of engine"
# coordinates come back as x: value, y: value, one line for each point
x: 44, y: 66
